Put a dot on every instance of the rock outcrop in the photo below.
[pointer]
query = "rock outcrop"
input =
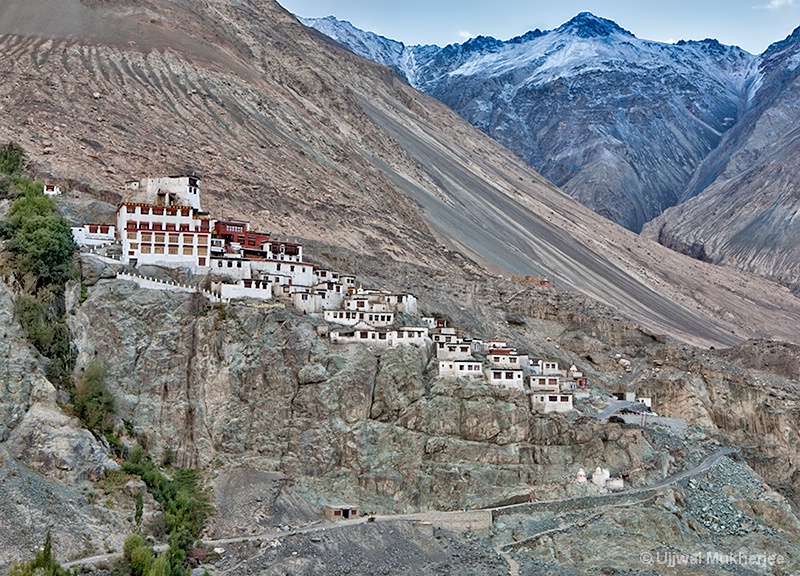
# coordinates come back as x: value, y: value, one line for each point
x: 48, y: 462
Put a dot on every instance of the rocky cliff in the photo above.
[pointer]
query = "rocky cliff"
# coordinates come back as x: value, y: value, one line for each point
x: 48, y: 462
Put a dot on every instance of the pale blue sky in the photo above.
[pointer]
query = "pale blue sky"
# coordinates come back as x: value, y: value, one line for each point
x: 751, y: 24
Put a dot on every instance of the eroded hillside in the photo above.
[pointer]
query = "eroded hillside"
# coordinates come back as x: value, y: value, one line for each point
x: 305, y: 139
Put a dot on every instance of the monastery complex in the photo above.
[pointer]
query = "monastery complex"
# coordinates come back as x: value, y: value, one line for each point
x: 162, y: 223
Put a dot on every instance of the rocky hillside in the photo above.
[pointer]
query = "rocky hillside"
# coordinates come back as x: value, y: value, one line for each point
x: 303, y: 138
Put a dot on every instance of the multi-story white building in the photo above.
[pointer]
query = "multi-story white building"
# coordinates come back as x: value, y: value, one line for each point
x: 463, y: 368
x: 171, y: 236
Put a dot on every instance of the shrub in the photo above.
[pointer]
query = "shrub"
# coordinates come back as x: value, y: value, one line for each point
x: 93, y: 402
x: 12, y: 159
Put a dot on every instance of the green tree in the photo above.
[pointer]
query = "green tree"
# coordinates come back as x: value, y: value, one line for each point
x: 161, y: 567
x: 42, y: 564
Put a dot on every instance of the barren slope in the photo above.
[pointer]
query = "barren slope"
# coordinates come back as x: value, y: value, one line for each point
x: 308, y: 140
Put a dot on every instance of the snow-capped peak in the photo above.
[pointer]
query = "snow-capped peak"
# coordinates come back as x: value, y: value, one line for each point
x: 587, y: 25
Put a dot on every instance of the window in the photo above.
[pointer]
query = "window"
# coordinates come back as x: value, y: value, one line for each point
x: 170, y: 226
x: 496, y: 375
x: 201, y: 261
x: 147, y: 237
x: 552, y: 398
x: 202, y: 240
x: 131, y: 235
x: 509, y: 375
x: 134, y: 246
x: 160, y: 238
x: 159, y: 249
x: 219, y: 264
x: 156, y: 225
x: 202, y: 251
x: 188, y: 250
x: 173, y: 238
x: 173, y: 249
x: 146, y: 248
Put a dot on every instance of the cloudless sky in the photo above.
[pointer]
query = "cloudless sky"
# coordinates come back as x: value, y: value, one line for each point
x: 750, y: 24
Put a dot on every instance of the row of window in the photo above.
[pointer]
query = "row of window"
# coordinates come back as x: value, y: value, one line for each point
x: 163, y: 249
x: 161, y: 210
x: 161, y: 226
x: 498, y: 375
x: 546, y: 381
x: 202, y: 240
x: 553, y: 398
x: 467, y: 367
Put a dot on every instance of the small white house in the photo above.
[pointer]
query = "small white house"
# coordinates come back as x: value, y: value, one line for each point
x: 51, y: 190
x: 94, y: 235
x: 546, y: 368
x: 548, y: 403
x: 461, y: 368
x: 460, y: 351
x: 548, y: 384
x: 508, y: 377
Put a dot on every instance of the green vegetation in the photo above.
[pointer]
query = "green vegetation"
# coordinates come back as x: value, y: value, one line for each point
x: 185, y: 509
x: 42, y: 250
x: 93, y: 402
x: 43, y: 563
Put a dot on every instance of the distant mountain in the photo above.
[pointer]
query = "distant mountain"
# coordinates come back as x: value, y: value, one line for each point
x: 619, y: 123
x: 743, y: 204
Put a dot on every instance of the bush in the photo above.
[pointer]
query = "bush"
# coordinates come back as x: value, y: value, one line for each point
x: 41, y: 243
x: 138, y: 555
x: 93, y: 402
x: 185, y: 506
x: 12, y: 159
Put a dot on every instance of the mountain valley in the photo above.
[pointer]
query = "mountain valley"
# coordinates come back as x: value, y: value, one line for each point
x: 633, y: 129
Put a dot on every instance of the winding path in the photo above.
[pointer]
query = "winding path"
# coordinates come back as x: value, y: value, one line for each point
x: 456, y: 518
